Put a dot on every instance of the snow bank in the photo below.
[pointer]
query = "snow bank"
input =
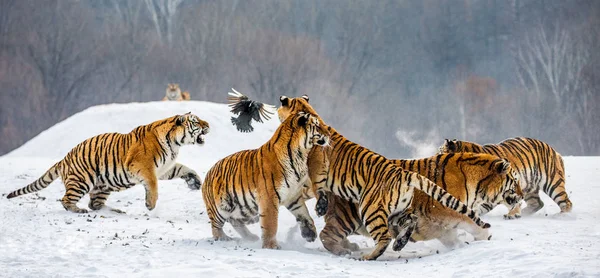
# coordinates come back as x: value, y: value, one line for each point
x: 38, y: 238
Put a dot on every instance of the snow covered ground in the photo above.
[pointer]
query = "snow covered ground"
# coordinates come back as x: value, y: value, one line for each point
x: 38, y: 238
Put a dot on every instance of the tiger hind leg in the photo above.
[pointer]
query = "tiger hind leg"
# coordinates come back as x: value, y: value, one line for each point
x: 378, y: 230
x: 534, y: 203
x: 98, y: 199
x: 559, y: 195
x: 449, y: 238
x: 476, y: 231
x: 240, y: 228
x: 217, y: 224
x: 74, y: 193
x: 334, y: 237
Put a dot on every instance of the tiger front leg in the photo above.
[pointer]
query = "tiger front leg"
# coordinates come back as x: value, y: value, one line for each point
x: 318, y: 167
x: 401, y: 226
x: 181, y: 171
x: 147, y: 176
x: 269, y: 214
x: 307, y: 225
x: 514, y: 212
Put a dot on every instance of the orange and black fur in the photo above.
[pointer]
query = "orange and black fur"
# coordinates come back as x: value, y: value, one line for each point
x: 538, y: 164
x: 382, y: 190
x: 474, y: 179
x: 113, y: 162
x: 174, y: 93
x: 249, y: 186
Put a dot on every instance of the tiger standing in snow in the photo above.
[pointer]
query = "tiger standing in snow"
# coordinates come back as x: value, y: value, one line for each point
x: 249, y: 186
x: 114, y: 162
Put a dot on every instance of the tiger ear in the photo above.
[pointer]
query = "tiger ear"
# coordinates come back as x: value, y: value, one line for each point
x: 501, y: 166
x: 180, y: 119
x: 303, y: 119
x: 285, y: 101
x: 452, y: 145
x: 305, y: 97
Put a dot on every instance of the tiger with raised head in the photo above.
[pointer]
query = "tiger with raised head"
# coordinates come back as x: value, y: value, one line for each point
x: 250, y: 185
x: 538, y: 164
x: 382, y: 190
x: 474, y: 179
x: 114, y: 162
x: 174, y: 93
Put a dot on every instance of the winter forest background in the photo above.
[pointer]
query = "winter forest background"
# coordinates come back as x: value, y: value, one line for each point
x: 391, y: 75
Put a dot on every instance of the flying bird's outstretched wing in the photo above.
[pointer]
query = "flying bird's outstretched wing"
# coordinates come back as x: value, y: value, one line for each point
x: 247, y: 110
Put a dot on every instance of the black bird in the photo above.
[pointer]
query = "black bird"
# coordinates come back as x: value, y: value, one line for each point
x: 247, y: 110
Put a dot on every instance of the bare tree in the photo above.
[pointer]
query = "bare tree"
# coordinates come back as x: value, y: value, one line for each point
x: 164, y: 13
x: 63, y: 61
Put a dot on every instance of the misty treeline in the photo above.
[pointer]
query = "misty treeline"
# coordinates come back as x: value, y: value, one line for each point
x: 391, y: 75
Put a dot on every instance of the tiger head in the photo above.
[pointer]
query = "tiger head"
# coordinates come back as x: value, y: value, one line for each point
x: 173, y: 90
x: 508, y: 178
x: 307, y: 130
x: 189, y: 129
x: 294, y: 105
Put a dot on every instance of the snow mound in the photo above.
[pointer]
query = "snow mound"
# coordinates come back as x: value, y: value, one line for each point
x: 222, y: 140
x: 38, y: 238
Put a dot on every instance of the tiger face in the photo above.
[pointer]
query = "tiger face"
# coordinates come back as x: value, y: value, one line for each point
x: 173, y: 90
x: 509, y: 178
x: 512, y: 191
x: 192, y: 129
x: 315, y: 133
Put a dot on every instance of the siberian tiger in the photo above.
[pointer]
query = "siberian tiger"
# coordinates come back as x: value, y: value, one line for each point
x: 474, y: 179
x: 113, y: 162
x: 382, y: 190
x: 250, y: 185
x: 538, y: 164
x: 174, y: 93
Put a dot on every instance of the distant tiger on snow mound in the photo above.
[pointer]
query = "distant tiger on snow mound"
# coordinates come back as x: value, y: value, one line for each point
x: 113, y: 162
x: 250, y: 185
x: 382, y: 190
x: 474, y: 179
x: 174, y: 93
x: 538, y: 164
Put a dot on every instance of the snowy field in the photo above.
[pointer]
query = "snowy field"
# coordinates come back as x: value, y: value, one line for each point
x: 38, y: 238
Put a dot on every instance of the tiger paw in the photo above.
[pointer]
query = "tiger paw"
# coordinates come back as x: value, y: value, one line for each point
x: 309, y: 232
x: 271, y: 245
x: 511, y: 217
x: 193, y: 181
x: 150, y: 203
x: 399, y: 243
x: 322, y: 204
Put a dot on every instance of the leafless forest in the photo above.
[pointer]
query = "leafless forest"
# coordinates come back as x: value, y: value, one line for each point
x: 387, y: 74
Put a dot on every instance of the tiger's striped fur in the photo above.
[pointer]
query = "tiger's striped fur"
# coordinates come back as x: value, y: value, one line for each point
x: 539, y: 166
x: 474, y: 179
x: 382, y: 190
x: 113, y: 162
x: 250, y: 185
